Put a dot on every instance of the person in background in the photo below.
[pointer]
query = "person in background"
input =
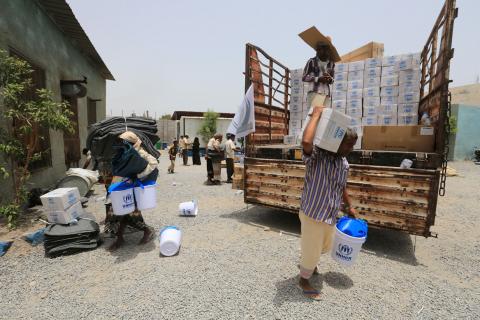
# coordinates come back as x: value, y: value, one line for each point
x: 188, y: 147
x: 196, y: 152
x: 230, y: 149
x: 319, y: 71
x: 117, y: 224
x: 89, y: 165
x: 181, y: 146
x: 172, y: 154
x: 323, y: 192
x: 214, y: 156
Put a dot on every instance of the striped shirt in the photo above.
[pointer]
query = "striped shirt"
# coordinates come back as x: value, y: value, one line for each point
x: 325, y: 179
x: 316, y: 68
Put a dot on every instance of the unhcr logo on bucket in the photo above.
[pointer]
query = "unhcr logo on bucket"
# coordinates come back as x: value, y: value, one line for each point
x: 127, y: 200
x: 344, y: 251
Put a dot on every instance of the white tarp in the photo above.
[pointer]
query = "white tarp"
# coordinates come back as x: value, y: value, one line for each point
x: 244, y: 121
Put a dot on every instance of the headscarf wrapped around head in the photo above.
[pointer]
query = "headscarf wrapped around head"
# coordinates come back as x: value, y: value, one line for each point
x: 132, y: 138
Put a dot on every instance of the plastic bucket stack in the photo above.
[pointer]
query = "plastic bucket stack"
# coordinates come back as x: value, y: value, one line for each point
x: 146, y: 195
x: 350, y: 234
x: 170, y: 239
x: 123, y: 201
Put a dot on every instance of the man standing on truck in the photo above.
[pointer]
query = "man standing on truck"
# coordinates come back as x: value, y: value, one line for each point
x: 323, y: 192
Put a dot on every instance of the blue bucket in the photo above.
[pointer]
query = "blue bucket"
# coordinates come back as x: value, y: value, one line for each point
x: 356, y: 228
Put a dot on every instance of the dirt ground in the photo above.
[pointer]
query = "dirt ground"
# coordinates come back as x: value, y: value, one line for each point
x: 239, y: 262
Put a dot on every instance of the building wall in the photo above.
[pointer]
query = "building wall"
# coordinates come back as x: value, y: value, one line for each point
x: 167, y: 130
x: 25, y: 27
x: 468, y: 132
x: 191, y: 125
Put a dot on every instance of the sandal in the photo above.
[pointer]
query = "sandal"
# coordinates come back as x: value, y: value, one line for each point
x: 312, y: 294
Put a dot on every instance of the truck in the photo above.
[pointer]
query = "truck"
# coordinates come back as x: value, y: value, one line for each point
x: 385, y: 195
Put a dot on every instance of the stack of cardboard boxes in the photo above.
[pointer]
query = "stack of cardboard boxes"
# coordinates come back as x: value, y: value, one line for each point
x: 62, y: 205
x: 298, y: 106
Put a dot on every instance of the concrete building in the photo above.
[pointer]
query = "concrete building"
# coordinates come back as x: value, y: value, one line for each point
x: 189, y: 123
x: 466, y: 116
x: 47, y: 35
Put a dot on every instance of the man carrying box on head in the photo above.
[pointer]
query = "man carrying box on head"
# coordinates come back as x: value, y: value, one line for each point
x: 319, y: 70
x: 324, y: 190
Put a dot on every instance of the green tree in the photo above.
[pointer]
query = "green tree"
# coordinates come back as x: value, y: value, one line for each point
x: 209, y: 125
x: 18, y: 144
x: 166, y: 116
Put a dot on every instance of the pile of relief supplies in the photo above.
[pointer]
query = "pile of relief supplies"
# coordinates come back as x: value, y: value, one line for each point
x: 69, y: 230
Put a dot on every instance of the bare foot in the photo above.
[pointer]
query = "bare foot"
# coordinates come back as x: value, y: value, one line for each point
x: 308, y: 290
x: 117, y: 244
x: 147, y: 236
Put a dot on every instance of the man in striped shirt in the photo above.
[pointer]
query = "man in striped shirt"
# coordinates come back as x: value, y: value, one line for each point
x: 323, y: 192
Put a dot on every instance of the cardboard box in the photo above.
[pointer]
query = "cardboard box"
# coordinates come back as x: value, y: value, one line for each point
x: 399, y: 138
x: 340, y: 76
x: 296, y: 82
x: 389, y: 91
x: 389, y: 71
x: 409, y: 97
x: 296, y: 98
x: 60, y: 199
x: 356, y: 66
x: 66, y: 216
x: 297, y: 90
x: 411, y: 83
x: 409, y: 75
x: 295, y: 124
x: 354, y: 112
x: 387, y: 120
x: 371, y: 92
x: 355, y: 94
x: 339, y: 95
x: 339, y: 104
x: 405, y: 64
x: 340, y: 86
x: 388, y: 109
x: 408, y: 108
x: 369, y: 82
x: 289, y: 139
x: 371, y: 102
x: 296, y: 73
x: 341, y: 67
x: 330, y: 130
x: 354, y: 122
x: 373, y: 62
x: 370, y: 111
x: 369, y: 121
x: 296, y: 115
x: 389, y: 100
x: 407, y: 119
x: 355, y: 84
x: 390, y: 60
x: 389, y: 81
x: 295, y: 106
x: 354, y: 103
x: 407, y: 89
x: 372, y: 72
x: 355, y: 75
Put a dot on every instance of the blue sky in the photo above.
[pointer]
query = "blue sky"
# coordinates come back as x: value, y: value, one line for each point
x: 189, y: 55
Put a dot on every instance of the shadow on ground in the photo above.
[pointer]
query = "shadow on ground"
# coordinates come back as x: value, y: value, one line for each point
x: 130, y: 249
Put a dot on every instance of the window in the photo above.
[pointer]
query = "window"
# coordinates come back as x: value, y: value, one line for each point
x: 43, y: 145
x: 91, y: 111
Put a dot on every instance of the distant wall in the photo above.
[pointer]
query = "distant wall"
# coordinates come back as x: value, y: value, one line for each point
x: 468, y: 132
x: 191, y: 125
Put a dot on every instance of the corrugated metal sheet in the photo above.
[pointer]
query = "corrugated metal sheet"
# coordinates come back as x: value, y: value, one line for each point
x: 62, y: 15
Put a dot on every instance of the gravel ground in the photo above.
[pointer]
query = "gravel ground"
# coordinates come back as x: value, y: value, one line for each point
x: 241, y: 263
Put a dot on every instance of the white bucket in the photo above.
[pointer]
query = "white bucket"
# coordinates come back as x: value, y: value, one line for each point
x: 146, y: 198
x: 122, y: 202
x: 189, y: 208
x: 170, y: 240
x: 345, y: 248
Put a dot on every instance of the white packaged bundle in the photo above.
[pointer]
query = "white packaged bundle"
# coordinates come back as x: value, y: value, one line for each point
x: 290, y: 140
x: 339, y: 95
x: 340, y: 86
x: 389, y: 81
x: 371, y: 92
x: 389, y: 71
x: 389, y: 91
x: 295, y: 124
x: 341, y: 67
x: 356, y: 66
x: 297, y: 91
x: 407, y: 119
x: 354, y: 112
x: 296, y: 115
x: 355, y: 75
x: 370, y: 121
x: 355, y: 121
x: 390, y: 60
x: 389, y: 100
x: 408, y: 108
x: 370, y: 111
x: 60, y: 199
x: 372, y: 72
x: 371, y: 82
x: 296, y: 82
x: 296, y: 98
x: 371, y: 101
x: 339, y: 104
x: 340, y: 76
x: 296, y: 73
x: 387, y: 120
x: 355, y: 84
x: 373, y: 62
x: 388, y: 109
x: 295, y: 106
x: 407, y: 89
x: 355, y: 94
x: 354, y: 103
x: 409, y: 75
x: 409, y: 97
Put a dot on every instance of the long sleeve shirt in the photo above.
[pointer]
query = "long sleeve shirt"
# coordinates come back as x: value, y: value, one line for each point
x: 315, y: 68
